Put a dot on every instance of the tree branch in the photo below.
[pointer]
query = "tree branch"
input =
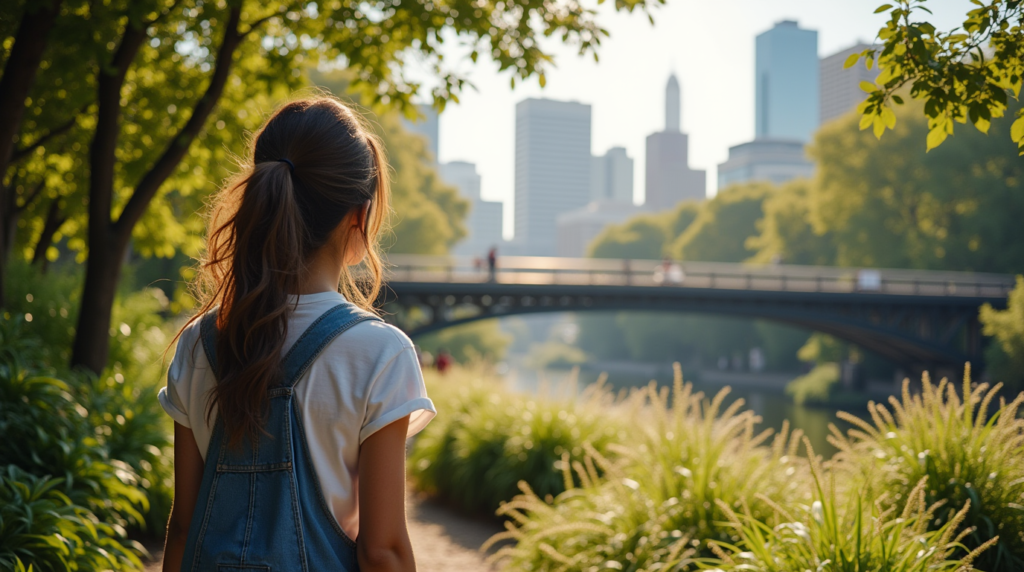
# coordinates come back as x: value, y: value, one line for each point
x: 24, y: 152
x: 180, y: 141
x: 32, y: 196
x: 20, y: 71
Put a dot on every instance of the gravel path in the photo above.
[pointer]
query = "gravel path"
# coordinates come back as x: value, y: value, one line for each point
x: 442, y: 539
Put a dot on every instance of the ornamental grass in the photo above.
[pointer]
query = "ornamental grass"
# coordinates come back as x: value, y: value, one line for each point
x: 973, y: 461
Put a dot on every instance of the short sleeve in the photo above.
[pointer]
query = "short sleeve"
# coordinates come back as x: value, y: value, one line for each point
x: 396, y: 392
x: 179, y: 376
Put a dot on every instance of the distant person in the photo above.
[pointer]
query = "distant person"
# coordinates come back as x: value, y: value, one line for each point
x: 668, y: 272
x: 443, y: 361
x: 281, y: 380
x: 492, y: 264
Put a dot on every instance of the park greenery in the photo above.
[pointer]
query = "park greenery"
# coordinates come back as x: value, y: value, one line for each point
x: 964, y: 74
x: 666, y: 478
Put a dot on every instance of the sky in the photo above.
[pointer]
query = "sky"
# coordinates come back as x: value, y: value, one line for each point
x: 708, y: 44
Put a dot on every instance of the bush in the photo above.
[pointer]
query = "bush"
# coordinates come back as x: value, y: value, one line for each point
x: 89, y: 444
x: 816, y: 386
x: 973, y: 462
x: 685, y: 459
x: 487, y: 439
x: 122, y: 405
x: 41, y: 528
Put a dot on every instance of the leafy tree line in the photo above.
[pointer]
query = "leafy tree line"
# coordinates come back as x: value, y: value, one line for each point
x: 119, y: 117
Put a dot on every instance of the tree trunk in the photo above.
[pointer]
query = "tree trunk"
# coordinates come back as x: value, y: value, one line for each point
x: 108, y: 240
x: 103, y: 267
x: 19, y: 75
x: 54, y: 221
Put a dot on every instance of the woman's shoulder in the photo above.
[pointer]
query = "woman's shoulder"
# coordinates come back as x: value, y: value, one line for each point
x: 189, y: 346
x: 381, y: 334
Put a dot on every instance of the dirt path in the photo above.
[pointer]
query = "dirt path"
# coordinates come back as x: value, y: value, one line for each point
x: 442, y: 539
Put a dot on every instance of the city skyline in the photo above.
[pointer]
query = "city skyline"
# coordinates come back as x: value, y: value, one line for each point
x: 640, y: 58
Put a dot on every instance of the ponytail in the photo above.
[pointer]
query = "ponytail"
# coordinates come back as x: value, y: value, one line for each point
x: 314, y: 166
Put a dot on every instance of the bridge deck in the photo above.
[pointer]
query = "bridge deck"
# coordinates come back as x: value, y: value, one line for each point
x: 708, y: 275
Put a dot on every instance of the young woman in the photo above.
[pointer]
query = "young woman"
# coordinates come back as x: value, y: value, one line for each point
x: 292, y: 401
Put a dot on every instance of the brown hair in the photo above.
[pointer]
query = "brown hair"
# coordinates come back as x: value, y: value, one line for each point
x: 313, y: 165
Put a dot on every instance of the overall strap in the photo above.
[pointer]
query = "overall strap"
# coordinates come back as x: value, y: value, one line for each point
x: 318, y: 335
x: 208, y: 333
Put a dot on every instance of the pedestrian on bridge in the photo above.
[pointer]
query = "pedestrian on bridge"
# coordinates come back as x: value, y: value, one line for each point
x: 492, y: 264
x: 283, y: 384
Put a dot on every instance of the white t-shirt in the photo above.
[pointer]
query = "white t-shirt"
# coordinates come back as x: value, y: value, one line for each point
x: 365, y: 379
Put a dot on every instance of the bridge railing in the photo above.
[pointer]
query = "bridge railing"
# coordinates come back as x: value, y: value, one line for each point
x: 652, y: 273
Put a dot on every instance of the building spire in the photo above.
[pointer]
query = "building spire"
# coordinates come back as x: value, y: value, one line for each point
x: 673, y: 105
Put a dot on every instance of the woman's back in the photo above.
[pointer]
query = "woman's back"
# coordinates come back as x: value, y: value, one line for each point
x: 362, y: 381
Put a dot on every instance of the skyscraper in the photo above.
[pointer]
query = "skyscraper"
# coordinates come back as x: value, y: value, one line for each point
x: 669, y: 176
x: 553, y: 166
x: 483, y: 223
x: 840, y: 87
x: 427, y: 126
x: 786, y: 83
x: 611, y: 176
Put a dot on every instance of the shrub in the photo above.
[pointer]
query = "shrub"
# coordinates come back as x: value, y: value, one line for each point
x: 487, y: 439
x: 836, y: 534
x: 41, y: 528
x: 816, y: 386
x: 684, y: 457
x: 76, y: 442
x: 121, y: 403
x: 973, y: 462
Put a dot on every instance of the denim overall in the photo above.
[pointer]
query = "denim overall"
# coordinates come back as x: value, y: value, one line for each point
x: 260, y: 506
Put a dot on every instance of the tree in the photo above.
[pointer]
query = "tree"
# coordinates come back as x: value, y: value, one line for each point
x: 786, y: 234
x: 1005, y: 355
x: 961, y: 75
x: 644, y: 236
x: 890, y: 204
x: 720, y: 231
x: 158, y: 69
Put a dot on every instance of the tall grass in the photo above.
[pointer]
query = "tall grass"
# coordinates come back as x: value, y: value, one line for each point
x: 685, y: 459
x: 845, y: 533
x: 487, y: 439
x: 970, y: 458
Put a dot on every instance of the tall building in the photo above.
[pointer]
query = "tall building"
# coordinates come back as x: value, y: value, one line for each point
x: 427, y: 126
x: 669, y: 176
x: 483, y: 222
x: 611, y: 176
x: 786, y: 83
x: 840, y: 87
x: 770, y: 160
x: 553, y: 165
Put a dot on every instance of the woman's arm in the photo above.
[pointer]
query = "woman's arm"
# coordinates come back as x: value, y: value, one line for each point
x: 188, y: 475
x: 383, y: 544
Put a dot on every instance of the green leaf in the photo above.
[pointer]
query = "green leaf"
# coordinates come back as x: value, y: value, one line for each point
x: 1017, y: 130
x: 888, y: 118
x: 851, y: 61
x: 879, y: 126
x: 936, y: 136
x: 865, y: 121
x: 882, y: 8
x: 868, y: 86
x: 897, y: 99
x: 542, y: 79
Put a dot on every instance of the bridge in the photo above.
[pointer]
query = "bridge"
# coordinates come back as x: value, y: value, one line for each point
x: 912, y: 317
